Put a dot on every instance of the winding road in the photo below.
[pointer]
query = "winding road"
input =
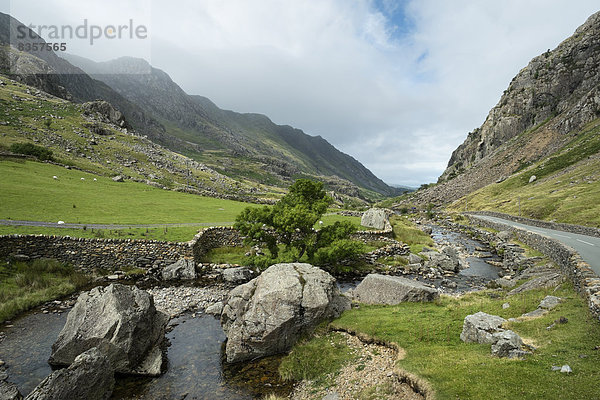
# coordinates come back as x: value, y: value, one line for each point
x: 587, y: 246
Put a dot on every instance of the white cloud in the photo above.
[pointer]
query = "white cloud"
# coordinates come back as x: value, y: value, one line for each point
x: 399, y: 99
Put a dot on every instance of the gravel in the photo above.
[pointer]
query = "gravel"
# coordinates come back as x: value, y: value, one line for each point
x: 177, y: 300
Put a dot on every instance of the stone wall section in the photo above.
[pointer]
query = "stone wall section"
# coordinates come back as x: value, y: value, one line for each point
x: 89, y: 254
x: 585, y: 280
x: 117, y: 254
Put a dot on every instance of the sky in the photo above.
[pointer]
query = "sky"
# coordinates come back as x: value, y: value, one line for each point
x: 395, y: 84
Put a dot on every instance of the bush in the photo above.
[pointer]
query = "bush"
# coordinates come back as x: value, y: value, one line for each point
x: 30, y: 149
x: 339, y: 250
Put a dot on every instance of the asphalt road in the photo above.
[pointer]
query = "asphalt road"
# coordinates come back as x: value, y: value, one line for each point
x: 587, y: 246
x: 11, y: 222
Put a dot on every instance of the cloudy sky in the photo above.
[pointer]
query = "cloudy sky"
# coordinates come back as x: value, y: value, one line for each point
x: 396, y: 84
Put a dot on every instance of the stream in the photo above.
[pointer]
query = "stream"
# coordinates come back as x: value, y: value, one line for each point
x: 195, y: 368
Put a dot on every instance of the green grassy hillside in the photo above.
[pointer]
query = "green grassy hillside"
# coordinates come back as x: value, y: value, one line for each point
x: 566, y: 189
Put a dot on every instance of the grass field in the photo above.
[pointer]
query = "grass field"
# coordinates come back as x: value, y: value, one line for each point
x: 429, y: 332
x: 30, y: 193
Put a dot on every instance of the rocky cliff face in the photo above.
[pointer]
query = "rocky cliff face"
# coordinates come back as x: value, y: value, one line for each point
x: 545, y: 104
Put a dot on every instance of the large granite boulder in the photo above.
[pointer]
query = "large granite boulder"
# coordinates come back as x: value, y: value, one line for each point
x: 90, y: 377
x: 183, y: 269
x: 122, y: 322
x: 270, y: 313
x: 384, y: 289
x: 375, y: 218
x: 480, y: 328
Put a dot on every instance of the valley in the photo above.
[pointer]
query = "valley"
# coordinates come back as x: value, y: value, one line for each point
x: 243, y: 259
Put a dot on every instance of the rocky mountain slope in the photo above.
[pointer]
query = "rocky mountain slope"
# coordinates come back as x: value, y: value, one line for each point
x: 281, y: 150
x: 94, y: 137
x: 546, y: 107
x: 241, y: 146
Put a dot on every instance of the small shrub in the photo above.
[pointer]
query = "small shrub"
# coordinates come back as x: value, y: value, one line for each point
x: 30, y: 149
x: 339, y: 250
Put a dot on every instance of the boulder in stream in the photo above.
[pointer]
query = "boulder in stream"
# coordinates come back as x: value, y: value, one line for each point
x: 270, y: 313
x: 90, y: 377
x: 122, y: 322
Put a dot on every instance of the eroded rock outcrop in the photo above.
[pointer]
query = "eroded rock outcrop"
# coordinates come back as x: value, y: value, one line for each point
x: 122, y: 322
x: 271, y: 312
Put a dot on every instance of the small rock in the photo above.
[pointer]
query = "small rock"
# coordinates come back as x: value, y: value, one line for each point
x: 566, y: 369
x: 118, y: 178
x: 549, y: 302
x: 532, y: 179
x: 505, y: 306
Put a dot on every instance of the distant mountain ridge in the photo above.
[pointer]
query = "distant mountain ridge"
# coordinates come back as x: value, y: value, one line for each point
x: 198, y: 120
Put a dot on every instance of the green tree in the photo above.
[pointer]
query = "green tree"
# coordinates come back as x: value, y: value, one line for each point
x: 291, y: 222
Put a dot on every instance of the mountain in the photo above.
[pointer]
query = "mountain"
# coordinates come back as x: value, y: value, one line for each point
x: 49, y: 72
x: 280, y: 150
x: 241, y: 146
x: 546, y: 114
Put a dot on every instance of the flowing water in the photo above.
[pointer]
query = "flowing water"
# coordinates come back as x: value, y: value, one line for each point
x: 194, y: 370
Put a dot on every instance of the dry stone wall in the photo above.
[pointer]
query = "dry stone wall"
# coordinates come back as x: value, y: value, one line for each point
x: 88, y: 254
x: 585, y: 280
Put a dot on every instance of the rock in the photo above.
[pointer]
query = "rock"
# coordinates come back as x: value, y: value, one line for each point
x: 270, y: 313
x: 331, y: 396
x: 237, y: 275
x: 566, y: 369
x: 9, y: 391
x: 480, y: 328
x: 183, y: 269
x: 375, y: 218
x: 547, y: 280
x: 505, y: 342
x: 505, y: 306
x: 105, y: 111
x: 122, y: 322
x: 118, y: 178
x: 91, y: 377
x: 505, y: 283
x: 384, y: 289
x: 447, y: 260
x: 215, y: 309
x: 534, y: 314
x: 532, y: 178
x: 549, y: 302
x: 414, y: 259
x: 504, y: 235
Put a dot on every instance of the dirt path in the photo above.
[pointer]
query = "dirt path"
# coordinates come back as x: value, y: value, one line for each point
x: 372, y: 376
